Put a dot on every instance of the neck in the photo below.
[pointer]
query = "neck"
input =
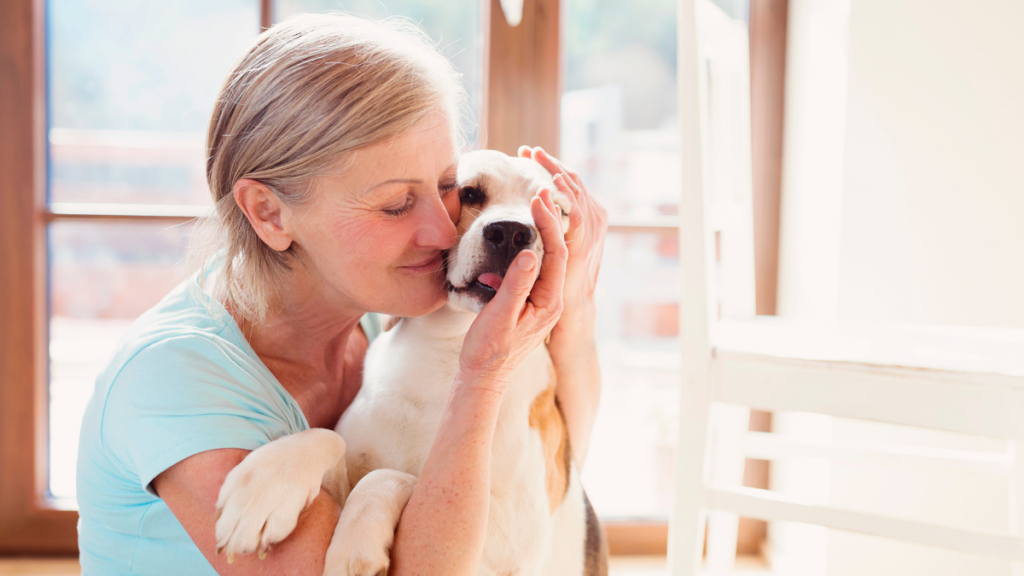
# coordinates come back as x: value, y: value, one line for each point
x: 304, y: 341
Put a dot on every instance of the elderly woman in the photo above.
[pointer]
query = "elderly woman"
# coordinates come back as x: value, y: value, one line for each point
x: 332, y: 158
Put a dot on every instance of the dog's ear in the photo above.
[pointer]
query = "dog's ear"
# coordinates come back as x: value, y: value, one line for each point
x: 391, y: 322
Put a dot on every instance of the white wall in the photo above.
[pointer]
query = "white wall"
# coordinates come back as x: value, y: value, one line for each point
x: 933, y: 184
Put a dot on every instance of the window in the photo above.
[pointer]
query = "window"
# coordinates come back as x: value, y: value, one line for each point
x: 101, y: 168
x: 619, y: 129
x: 130, y: 90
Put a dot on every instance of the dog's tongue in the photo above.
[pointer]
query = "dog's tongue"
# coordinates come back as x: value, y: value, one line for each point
x: 490, y: 279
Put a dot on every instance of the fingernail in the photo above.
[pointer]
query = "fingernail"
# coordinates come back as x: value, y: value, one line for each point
x: 525, y: 263
x: 262, y: 553
x: 231, y: 558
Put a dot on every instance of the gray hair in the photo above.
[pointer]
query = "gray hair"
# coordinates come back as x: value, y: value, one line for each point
x: 309, y: 91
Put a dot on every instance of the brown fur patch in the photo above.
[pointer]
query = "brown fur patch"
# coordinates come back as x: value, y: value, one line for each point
x: 546, y: 417
x: 359, y: 466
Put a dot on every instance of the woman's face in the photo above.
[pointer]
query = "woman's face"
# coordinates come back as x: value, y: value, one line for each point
x: 372, y: 235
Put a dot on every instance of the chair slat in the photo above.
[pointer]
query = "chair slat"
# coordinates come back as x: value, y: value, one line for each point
x: 767, y: 446
x: 965, y: 402
x: 767, y: 505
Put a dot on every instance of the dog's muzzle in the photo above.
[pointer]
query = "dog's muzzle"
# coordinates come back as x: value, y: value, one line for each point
x: 504, y: 240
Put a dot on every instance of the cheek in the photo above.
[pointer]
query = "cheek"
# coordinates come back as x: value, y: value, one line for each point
x: 453, y: 206
x: 351, y: 244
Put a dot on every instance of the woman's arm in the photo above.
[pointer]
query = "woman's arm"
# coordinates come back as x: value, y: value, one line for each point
x: 443, y: 527
x: 572, y: 346
x: 190, y: 490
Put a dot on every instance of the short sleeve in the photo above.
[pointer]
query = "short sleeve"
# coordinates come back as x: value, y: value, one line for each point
x: 189, y: 394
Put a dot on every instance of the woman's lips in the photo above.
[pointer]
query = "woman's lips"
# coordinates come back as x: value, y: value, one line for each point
x: 426, y: 265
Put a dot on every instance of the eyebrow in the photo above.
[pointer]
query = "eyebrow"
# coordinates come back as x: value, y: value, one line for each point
x: 405, y: 180
x: 392, y: 181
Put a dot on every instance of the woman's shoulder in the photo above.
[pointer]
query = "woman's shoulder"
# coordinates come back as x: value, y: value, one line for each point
x: 184, y: 347
x: 185, y: 310
x: 181, y: 383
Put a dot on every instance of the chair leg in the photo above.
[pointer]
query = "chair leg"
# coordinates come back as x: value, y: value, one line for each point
x: 686, y: 532
x: 801, y: 549
x: 729, y: 426
x: 1017, y: 498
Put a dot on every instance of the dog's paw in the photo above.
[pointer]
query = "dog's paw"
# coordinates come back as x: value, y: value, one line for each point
x: 361, y: 546
x: 360, y: 559
x: 261, y: 499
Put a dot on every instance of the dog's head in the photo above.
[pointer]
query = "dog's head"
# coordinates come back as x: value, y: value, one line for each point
x: 495, y: 224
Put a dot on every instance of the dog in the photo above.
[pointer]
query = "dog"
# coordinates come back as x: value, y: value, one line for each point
x: 540, y: 521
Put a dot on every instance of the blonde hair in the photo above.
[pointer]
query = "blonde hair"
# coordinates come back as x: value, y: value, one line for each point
x: 309, y: 91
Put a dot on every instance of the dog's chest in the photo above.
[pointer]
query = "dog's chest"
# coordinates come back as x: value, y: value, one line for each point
x: 393, y: 422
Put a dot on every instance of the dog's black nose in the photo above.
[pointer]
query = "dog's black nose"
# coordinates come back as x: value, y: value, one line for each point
x: 506, y: 239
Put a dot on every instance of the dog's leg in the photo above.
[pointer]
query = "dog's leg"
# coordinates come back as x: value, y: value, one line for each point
x: 260, y: 501
x: 361, y: 545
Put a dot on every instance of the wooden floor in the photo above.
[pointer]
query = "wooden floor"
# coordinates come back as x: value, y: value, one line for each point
x: 620, y: 566
x: 38, y: 567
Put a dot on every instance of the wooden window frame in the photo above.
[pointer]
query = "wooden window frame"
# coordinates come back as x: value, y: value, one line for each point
x: 523, y: 86
x: 28, y: 522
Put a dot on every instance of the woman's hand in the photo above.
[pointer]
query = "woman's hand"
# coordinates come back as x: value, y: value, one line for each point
x: 588, y: 223
x: 572, y: 346
x: 524, y: 311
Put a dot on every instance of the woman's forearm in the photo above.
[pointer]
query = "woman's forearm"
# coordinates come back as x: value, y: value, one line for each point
x: 444, y: 525
x: 574, y: 352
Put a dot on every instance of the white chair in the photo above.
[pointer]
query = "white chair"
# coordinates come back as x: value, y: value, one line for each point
x: 875, y: 373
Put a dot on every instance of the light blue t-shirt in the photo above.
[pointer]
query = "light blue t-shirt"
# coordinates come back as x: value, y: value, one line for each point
x: 183, y: 381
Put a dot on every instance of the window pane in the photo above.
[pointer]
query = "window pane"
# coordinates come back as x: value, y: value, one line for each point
x: 454, y: 24
x: 619, y: 111
x: 102, y: 276
x: 629, y: 466
x: 619, y: 131
x: 131, y: 87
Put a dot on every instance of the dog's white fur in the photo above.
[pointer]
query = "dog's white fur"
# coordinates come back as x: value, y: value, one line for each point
x: 389, y: 428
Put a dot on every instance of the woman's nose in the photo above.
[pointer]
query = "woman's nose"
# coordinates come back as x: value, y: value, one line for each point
x: 437, y: 230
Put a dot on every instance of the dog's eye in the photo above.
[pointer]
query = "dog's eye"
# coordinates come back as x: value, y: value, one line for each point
x: 472, y: 195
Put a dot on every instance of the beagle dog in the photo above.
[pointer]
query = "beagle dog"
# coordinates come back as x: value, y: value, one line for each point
x: 540, y: 521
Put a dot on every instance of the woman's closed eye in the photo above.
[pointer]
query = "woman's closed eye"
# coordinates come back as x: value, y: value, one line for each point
x: 445, y: 187
x: 401, y: 209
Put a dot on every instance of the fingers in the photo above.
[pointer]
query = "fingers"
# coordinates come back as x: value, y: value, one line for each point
x: 547, y: 292
x: 576, y: 218
x: 507, y: 304
x: 555, y: 166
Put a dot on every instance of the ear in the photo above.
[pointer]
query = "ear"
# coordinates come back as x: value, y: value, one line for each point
x: 266, y: 212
